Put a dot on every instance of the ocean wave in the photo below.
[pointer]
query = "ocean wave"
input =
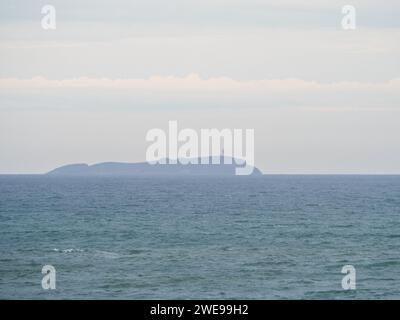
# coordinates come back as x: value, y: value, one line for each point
x: 107, y: 254
x: 71, y: 250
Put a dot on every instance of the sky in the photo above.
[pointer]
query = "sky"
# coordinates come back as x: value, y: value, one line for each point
x: 321, y: 99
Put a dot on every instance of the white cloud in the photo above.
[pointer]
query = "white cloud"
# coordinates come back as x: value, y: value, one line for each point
x: 192, y: 91
x: 195, y: 82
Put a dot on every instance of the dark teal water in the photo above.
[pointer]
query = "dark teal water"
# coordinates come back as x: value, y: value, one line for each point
x: 238, y: 237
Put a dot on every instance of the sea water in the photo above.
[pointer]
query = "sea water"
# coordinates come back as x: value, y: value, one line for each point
x: 267, y: 237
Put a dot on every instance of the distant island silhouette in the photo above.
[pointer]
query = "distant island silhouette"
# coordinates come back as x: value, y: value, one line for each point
x: 144, y: 168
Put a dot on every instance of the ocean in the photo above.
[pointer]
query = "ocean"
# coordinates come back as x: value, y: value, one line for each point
x: 267, y: 237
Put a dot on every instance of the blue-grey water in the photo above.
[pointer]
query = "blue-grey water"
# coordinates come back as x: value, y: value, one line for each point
x: 269, y: 237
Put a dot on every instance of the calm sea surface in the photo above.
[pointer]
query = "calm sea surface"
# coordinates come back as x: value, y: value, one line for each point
x: 269, y: 237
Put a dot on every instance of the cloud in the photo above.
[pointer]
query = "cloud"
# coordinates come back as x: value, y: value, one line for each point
x: 194, y: 92
x: 204, y: 12
x: 195, y: 82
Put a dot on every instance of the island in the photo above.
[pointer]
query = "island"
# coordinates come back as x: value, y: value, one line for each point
x: 226, y: 167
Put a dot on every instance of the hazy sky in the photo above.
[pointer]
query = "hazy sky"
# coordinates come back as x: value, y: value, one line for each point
x: 321, y: 99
